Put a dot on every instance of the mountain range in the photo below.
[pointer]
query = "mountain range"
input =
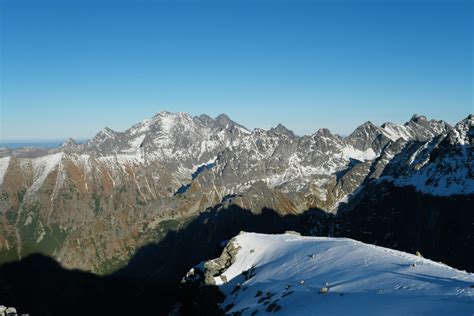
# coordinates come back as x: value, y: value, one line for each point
x: 102, y: 205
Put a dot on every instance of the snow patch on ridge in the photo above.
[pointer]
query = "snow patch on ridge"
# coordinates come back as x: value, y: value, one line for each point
x: 427, y: 180
x: 395, y: 131
x: 43, y: 166
x: 123, y: 159
x: 135, y: 143
x: 351, y: 152
x: 4, y: 162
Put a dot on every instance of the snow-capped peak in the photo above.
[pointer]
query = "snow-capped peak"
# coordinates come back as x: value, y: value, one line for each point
x: 281, y: 129
x: 395, y: 131
x: 223, y: 119
x: 448, y: 166
x: 324, y: 132
x: 417, y: 118
x: 107, y: 132
x: 463, y: 132
x: 69, y: 143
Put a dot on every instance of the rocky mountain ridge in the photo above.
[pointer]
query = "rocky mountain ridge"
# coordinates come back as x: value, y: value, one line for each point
x: 135, y: 186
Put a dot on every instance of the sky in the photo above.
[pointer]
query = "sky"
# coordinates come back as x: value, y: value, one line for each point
x: 70, y: 68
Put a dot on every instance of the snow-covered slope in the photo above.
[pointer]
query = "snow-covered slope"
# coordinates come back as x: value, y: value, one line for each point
x: 444, y: 167
x: 294, y: 275
x: 418, y: 128
x: 3, y: 167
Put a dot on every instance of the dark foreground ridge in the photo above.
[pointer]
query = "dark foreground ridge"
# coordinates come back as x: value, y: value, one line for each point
x: 151, y: 281
x: 440, y: 228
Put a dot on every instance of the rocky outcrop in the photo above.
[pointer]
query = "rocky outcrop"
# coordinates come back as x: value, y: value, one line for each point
x: 204, y: 273
x: 214, y: 268
x: 8, y: 311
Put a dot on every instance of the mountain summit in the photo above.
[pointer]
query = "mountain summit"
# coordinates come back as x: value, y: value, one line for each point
x: 123, y: 189
x: 150, y: 202
x: 280, y: 128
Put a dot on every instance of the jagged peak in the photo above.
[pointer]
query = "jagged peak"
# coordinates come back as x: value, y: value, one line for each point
x: 388, y: 124
x: 165, y: 114
x: 463, y: 132
x: 365, y: 127
x: 424, y: 122
x: 107, y: 131
x: 324, y: 132
x: 205, y: 117
x: 223, y: 119
x: 166, y: 120
x: 418, y: 118
x: 368, y: 124
x: 68, y: 143
x: 469, y: 120
x: 104, y: 134
x: 281, y: 129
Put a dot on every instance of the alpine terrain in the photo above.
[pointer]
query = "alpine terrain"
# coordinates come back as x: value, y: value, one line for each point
x: 147, y: 204
x: 293, y: 275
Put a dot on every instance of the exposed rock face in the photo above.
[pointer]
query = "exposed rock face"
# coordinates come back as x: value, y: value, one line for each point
x: 366, y: 136
x: 204, y: 273
x: 441, y: 166
x: 92, y: 205
x: 281, y: 129
x: 215, y: 267
x: 418, y: 128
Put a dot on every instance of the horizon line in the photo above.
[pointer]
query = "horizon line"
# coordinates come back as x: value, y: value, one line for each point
x: 4, y: 142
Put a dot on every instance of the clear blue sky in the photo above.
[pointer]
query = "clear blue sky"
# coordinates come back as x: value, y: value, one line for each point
x: 69, y: 68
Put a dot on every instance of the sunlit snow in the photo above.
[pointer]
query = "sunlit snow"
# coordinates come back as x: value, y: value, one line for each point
x: 361, y: 279
x: 4, y: 162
